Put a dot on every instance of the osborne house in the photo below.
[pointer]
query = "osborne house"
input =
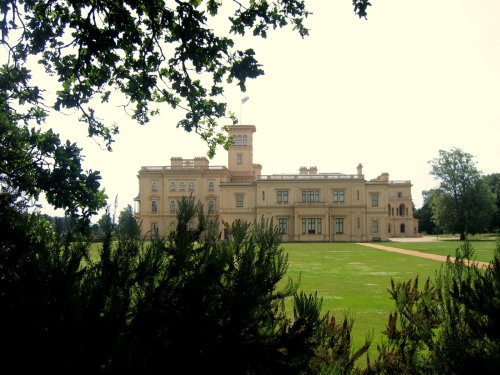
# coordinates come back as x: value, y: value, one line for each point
x: 307, y: 206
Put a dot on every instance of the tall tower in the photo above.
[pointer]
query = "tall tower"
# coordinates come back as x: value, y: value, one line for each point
x: 240, y: 155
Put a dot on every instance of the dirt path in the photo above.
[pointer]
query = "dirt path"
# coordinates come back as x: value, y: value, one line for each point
x: 440, y: 258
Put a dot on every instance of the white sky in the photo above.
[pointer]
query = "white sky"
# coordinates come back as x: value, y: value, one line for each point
x: 388, y: 92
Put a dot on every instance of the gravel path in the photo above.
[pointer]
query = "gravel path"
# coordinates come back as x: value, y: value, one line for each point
x: 420, y: 254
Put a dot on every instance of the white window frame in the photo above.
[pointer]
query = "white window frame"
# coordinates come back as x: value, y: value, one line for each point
x: 339, y: 225
x: 240, y: 199
x: 310, y: 196
x: 282, y: 196
x: 283, y: 225
x: 211, y: 206
x: 339, y: 196
x: 311, y: 225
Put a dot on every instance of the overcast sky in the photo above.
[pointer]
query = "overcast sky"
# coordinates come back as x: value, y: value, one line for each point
x: 388, y: 92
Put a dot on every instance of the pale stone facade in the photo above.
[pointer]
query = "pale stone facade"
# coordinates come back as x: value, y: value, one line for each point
x: 307, y: 206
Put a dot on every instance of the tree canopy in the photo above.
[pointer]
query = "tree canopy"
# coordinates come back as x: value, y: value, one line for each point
x: 463, y: 203
x: 424, y: 214
x: 152, y: 53
x: 493, y: 181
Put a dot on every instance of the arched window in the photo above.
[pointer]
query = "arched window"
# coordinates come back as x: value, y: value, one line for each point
x: 402, y: 210
x: 244, y: 140
x: 402, y: 228
x: 239, y: 140
x: 389, y: 209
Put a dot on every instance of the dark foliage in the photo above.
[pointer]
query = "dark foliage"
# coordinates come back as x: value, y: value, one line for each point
x: 493, y: 181
x: 424, y: 215
x: 194, y: 304
x: 450, y: 326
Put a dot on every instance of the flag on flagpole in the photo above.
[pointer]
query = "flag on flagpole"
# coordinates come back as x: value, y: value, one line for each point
x: 244, y: 100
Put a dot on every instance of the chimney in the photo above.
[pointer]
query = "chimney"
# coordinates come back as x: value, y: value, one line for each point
x: 360, y: 170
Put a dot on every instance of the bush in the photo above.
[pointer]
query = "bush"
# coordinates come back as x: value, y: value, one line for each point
x: 192, y: 304
x: 450, y: 326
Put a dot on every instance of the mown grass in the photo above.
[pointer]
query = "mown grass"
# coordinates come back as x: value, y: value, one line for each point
x: 483, y: 250
x: 354, y: 279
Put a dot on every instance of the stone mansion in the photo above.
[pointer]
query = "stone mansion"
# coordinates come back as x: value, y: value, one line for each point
x: 307, y: 206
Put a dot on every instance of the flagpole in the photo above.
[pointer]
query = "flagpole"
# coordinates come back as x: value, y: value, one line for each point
x: 243, y: 101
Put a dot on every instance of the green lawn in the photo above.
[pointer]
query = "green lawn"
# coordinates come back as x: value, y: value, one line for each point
x: 94, y: 250
x: 354, y: 279
x: 483, y: 249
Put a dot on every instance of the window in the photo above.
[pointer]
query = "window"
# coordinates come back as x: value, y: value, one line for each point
x: 374, y: 226
x: 239, y: 159
x: 282, y: 196
x: 154, y: 185
x: 239, y: 200
x: 310, y: 196
x: 154, y: 228
x: 245, y: 140
x: 402, y: 228
x: 239, y: 140
x: 357, y: 194
x: 389, y: 228
x: 172, y: 185
x: 211, y: 186
x: 211, y: 206
x: 263, y: 195
x: 182, y: 186
x: 191, y: 185
x: 374, y: 199
x: 359, y: 222
x: 400, y: 194
x: 173, y: 206
x: 283, y: 225
x: 338, y: 196
x: 402, y: 210
x: 154, y: 206
x: 311, y: 226
x: 339, y: 225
